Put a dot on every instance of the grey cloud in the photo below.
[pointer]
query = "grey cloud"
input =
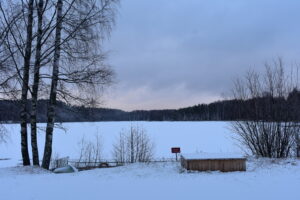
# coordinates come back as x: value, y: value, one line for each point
x: 161, y: 45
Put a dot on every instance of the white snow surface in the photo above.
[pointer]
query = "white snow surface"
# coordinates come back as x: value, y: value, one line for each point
x: 209, y: 156
x: 191, y: 137
x: 264, y: 179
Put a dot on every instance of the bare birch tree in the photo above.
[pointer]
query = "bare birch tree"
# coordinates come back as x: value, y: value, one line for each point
x: 12, y: 45
x: 80, y: 65
x: 52, y: 99
x: 68, y: 38
x: 35, y: 84
x: 16, y: 73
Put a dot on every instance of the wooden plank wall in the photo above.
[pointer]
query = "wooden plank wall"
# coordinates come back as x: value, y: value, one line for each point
x: 223, y: 165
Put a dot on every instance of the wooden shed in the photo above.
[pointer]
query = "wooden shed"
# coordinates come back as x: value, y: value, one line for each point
x: 213, y: 162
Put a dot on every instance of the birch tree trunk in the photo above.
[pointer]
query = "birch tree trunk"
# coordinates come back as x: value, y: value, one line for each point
x: 53, y: 90
x: 35, y: 86
x: 297, y: 145
x: 25, y: 87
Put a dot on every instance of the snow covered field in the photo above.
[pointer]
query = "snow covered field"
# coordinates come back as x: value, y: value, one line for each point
x: 192, y: 137
x: 264, y: 178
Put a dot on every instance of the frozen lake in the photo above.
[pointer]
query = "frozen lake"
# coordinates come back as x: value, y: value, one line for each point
x: 191, y: 137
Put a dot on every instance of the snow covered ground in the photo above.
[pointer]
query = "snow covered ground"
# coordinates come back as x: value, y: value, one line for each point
x: 192, y: 137
x: 264, y: 179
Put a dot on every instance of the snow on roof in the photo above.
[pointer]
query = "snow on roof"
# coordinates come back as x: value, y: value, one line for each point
x: 212, y: 156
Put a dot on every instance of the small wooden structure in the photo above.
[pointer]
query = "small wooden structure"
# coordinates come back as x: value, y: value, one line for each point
x: 213, y: 162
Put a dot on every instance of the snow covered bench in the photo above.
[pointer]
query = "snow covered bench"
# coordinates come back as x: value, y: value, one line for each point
x: 213, y: 162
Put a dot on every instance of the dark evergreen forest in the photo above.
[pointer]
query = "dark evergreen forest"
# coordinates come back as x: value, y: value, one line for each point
x: 225, y: 110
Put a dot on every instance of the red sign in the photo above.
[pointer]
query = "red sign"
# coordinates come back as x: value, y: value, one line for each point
x: 175, y: 149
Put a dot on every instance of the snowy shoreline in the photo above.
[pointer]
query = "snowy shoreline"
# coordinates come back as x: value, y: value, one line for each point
x: 264, y: 179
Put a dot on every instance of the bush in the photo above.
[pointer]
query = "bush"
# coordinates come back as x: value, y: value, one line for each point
x: 90, y: 151
x: 133, y: 145
x: 271, y: 129
x: 3, y: 134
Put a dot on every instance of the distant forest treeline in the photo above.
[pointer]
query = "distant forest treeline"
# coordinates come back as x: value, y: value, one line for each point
x: 225, y: 110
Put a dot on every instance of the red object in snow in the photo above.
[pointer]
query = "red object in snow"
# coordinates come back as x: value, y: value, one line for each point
x: 175, y: 149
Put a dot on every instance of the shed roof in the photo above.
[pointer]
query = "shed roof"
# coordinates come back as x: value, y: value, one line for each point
x: 212, y: 156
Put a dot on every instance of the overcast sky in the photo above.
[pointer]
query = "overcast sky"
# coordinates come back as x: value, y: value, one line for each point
x: 177, y: 53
